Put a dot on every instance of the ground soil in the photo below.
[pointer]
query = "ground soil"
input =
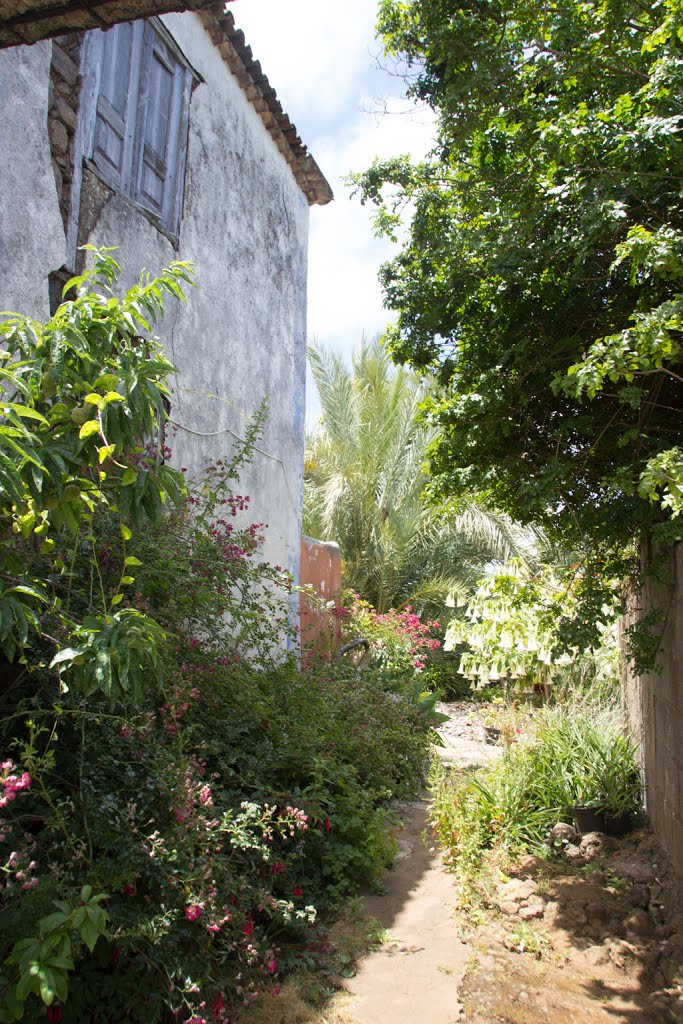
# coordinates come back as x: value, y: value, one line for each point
x: 592, y: 932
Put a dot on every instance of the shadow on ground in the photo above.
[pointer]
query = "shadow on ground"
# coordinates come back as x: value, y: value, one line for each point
x: 597, y: 940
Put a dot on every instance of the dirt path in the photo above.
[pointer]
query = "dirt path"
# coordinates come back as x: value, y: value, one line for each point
x: 414, y: 976
x: 593, y: 933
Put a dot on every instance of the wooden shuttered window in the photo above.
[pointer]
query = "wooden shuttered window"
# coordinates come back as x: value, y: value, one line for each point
x: 142, y: 111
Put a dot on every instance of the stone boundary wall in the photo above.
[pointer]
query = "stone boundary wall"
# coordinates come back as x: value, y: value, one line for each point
x: 320, y: 568
x: 654, y: 702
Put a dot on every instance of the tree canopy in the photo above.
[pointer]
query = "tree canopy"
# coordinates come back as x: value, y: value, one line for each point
x: 540, y: 283
x: 365, y: 477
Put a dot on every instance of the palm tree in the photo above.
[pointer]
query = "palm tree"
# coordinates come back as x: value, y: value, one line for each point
x: 365, y: 476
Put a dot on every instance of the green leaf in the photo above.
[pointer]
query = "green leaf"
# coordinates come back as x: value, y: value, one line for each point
x: 89, y: 427
x: 129, y: 477
x: 117, y: 599
x: 131, y: 560
x: 125, y: 532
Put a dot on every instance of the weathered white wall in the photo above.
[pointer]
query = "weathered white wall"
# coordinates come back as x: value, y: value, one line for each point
x: 32, y: 242
x: 241, y: 336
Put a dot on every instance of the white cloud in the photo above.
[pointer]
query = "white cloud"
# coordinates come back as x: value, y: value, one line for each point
x: 313, y: 52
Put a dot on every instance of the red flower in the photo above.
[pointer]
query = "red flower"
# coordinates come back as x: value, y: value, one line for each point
x: 54, y: 1013
x: 248, y: 927
x: 130, y: 889
x: 218, y: 1006
x: 297, y: 891
x: 328, y: 825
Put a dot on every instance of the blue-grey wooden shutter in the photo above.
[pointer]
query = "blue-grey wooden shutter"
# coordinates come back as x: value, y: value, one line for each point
x: 162, y: 117
x: 116, y: 102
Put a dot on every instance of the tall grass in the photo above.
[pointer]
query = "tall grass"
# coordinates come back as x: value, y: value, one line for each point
x: 578, y: 754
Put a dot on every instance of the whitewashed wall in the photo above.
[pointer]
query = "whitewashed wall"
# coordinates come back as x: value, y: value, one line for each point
x: 241, y: 337
x: 32, y: 242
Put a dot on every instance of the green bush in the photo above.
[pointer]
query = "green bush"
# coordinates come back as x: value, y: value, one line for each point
x: 178, y: 802
x: 571, y: 758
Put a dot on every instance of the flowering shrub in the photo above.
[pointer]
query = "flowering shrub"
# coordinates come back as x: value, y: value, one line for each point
x: 520, y: 627
x: 401, y: 640
x: 166, y: 848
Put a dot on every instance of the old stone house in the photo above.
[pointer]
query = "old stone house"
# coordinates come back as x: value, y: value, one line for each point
x: 156, y: 131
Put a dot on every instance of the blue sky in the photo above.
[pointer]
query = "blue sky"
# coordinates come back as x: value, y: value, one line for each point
x: 326, y: 66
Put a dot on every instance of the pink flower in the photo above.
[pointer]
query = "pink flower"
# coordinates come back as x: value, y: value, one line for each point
x: 205, y: 796
x: 328, y: 825
x: 278, y: 867
x: 193, y: 912
x: 271, y: 966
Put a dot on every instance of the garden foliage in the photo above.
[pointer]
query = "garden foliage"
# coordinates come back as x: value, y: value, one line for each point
x: 178, y: 803
x: 540, y: 283
x: 567, y: 756
x: 365, y: 477
x: 527, y: 628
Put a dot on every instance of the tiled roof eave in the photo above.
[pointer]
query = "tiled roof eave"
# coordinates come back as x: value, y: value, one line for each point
x: 238, y: 56
x: 27, y: 21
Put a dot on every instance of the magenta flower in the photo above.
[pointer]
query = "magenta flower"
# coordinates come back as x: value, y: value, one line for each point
x: 193, y: 912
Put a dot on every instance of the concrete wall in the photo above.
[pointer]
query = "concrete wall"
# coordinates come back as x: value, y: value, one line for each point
x: 320, y: 569
x: 241, y: 338
x: 32, y: 241
x: 654, y: 704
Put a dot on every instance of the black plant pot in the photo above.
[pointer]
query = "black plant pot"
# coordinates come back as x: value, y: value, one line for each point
x: 618, y: 824
x: 589, y: 819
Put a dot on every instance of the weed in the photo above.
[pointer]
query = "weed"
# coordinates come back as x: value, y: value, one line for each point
x: 526, y: 939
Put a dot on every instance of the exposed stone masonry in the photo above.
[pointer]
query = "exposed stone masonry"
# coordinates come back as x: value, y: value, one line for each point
x: 64, y: 95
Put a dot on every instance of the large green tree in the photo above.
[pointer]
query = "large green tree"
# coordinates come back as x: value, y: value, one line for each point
x: 540, y: 282
x: 365, y: 477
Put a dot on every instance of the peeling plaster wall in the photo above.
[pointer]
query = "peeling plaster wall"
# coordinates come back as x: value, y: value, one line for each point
x: 32, y: 242
x: 241, y: 337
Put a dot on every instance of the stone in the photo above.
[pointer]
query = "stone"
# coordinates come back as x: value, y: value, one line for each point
x: 532, y: 911
x: 530, y: 865
x: 518, y: 889
x: 593, y: 845
x: 59, y: 137
x: 596, y: 955
x: 562, y: 833
x: 64, y: 65
x: 65, y: 113
x: 58, y: 177
x: 638, y: 922
x: 632, y: 867
x: 509, y: 907
x: 574, y: 855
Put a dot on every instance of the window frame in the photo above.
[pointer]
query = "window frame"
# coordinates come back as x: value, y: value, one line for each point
x: 150, y: 40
